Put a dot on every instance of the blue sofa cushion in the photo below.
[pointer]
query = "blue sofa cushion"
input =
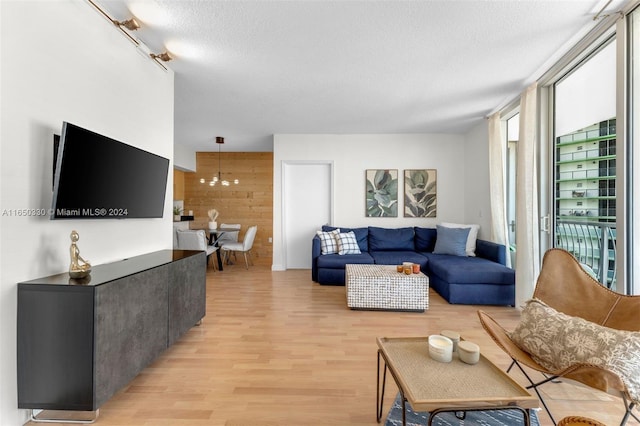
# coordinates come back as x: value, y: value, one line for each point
x: 387, y: 239
x: 328, y: 276
x: 397, y: 257
x: 362, y: 235
x: 451, y: 241
x: 337, y: 261
x: 469, y: 270
x: 425, y: 239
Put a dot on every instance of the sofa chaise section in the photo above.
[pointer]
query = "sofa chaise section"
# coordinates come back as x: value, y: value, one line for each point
x: 471, y: 280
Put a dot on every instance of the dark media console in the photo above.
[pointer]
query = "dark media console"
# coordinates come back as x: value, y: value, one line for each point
x: 78, y: 344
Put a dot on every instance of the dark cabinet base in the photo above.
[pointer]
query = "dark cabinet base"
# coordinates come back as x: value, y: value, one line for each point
x: 66, y: 417
x: 79, y: 344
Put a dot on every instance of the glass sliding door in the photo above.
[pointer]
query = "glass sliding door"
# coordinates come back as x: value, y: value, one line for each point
x: 633, y: 164
x: 513, y: 134
x: 584, y: 155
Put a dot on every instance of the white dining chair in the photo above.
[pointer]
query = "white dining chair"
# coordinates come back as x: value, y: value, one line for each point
x: 243, y: 247
x: 191, y: 239
x: 229, y: 234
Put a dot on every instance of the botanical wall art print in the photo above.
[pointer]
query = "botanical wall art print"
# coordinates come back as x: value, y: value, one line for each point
x: 420, y: 193
x: 382, y: 193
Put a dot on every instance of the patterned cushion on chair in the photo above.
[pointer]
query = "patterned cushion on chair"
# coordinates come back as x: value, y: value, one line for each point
x: 558, y: 341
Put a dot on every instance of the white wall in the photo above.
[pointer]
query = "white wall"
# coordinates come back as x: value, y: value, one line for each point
x: 184, y: 158
x: 476, y: 187
x: 353, y: 154
x: 62, y: 61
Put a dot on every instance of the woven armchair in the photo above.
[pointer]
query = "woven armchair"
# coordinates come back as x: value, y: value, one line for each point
x: 579, y: 421
x: 566, y: 287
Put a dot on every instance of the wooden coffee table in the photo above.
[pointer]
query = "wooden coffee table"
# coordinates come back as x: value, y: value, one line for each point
x: 438, y: 387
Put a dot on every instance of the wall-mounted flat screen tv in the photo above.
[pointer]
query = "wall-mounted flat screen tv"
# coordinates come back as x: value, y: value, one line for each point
x: 97, y: 177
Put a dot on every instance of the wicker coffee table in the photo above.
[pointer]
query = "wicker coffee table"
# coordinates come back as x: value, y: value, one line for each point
x: 382, y: 287
x: 439, y: 387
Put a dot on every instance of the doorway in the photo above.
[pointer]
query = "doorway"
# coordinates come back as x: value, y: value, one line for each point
x: 307, y: 205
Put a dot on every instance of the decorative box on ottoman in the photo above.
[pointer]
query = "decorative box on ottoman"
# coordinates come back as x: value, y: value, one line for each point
x: 382, y: 287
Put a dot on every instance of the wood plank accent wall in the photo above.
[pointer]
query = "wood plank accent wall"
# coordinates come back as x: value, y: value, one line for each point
x: 248, y: 203
x: 178, y: 185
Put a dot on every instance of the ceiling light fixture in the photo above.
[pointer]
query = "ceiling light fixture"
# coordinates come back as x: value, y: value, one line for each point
x: 164, y: 56
x: 130, y: 24
x: 218, y: 177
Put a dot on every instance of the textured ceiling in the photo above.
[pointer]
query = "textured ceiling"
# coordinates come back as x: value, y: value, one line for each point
x: 247, y: 70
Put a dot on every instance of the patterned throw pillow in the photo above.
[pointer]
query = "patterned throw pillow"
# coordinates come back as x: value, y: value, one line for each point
x: 347, y: 243
x: 328, y: 241
x: 557, y: 341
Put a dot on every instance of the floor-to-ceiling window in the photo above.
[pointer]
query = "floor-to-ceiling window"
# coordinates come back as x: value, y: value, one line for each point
x: 584, y: 162
x: 633, y: 164
x: 512, y: 133
x: 589, y: 130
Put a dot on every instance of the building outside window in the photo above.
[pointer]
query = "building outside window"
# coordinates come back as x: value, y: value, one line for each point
x: 585, y: 197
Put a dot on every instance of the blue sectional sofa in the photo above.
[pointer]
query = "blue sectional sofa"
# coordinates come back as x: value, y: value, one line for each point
x: 480, y: 280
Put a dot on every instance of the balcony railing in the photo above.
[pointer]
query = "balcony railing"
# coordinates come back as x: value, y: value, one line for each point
x: 588, y: 154
x: 581, y: 213
x: 593, y: 244
x: 587, y: 134
x: 586, y: 193
x: 587, y: 174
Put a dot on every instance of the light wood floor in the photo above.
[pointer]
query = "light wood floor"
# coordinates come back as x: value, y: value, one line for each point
x: 278, y: 349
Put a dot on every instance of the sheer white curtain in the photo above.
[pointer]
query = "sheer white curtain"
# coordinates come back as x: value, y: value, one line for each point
x: 497, y: 170
x: 527, y: 231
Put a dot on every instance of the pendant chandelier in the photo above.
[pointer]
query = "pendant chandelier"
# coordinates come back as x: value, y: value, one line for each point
x: 218, y: 178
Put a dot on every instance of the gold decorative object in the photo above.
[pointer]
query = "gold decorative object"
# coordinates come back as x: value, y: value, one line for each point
x: 79, y: 268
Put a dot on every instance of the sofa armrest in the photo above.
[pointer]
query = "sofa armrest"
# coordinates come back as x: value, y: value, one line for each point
x: 315, y: 253
x: 491, y: 251
x: 315, y: 247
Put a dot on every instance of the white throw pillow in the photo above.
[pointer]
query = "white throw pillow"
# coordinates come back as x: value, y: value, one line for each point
x: 347, y: 243
x: 328, y: 241
x: 471, y: 239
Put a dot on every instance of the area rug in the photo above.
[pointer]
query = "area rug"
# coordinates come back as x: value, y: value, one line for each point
x: 479, y: 418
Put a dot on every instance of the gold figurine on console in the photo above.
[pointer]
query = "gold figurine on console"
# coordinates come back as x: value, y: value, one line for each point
x: 79, y: 267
